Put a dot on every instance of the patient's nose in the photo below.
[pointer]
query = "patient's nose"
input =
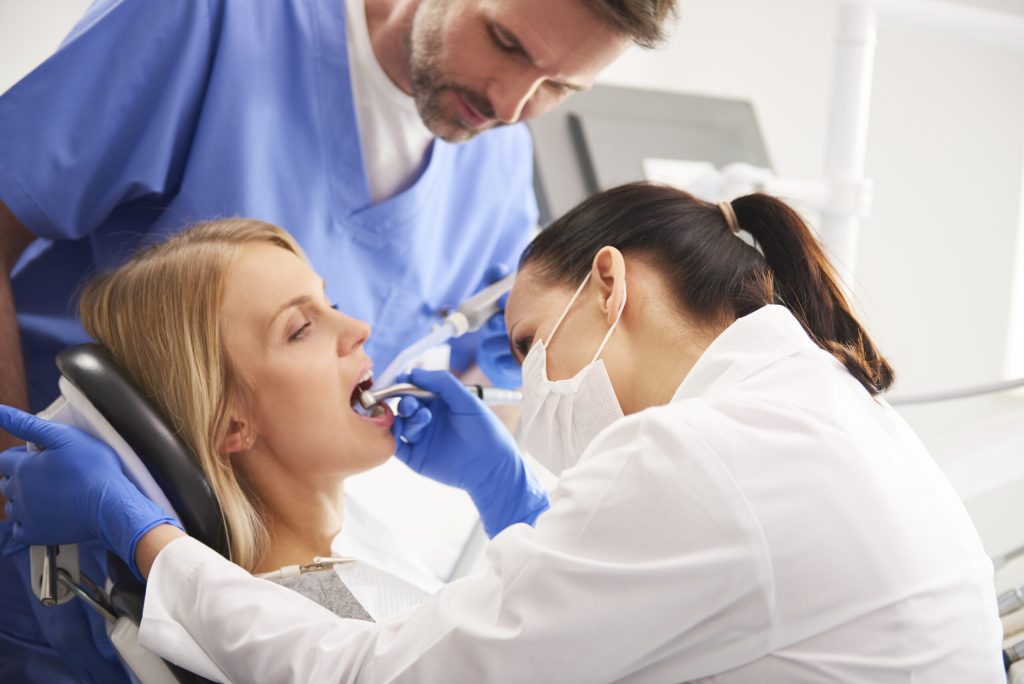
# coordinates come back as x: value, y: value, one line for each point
x: 352, y: 334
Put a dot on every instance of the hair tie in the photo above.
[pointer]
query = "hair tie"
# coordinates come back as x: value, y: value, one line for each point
x: 730, y: 216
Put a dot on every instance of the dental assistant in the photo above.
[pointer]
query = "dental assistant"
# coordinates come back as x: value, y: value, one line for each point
x: 736, y: 503
x: 378, y: 132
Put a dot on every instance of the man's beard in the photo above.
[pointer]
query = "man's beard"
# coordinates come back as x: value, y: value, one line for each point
x: 429, y: 85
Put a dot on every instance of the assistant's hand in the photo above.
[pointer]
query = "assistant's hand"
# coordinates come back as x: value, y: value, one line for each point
x: 71, y: 491
x: 455, y: 439
x: 494, y: 356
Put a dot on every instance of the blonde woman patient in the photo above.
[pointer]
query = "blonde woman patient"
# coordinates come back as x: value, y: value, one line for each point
x: 229, y: 332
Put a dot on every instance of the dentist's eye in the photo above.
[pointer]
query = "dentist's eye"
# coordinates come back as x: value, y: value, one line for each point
x: 523, y: 345
x: 300, y: 333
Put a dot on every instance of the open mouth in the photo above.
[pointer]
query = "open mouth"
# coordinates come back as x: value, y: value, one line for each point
x: 380, y: 413
x: 365, y: 383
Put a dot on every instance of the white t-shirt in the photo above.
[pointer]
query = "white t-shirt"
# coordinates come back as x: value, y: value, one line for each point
x: 394, y: 139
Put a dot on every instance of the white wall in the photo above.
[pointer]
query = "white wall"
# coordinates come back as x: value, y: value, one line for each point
x: 941, y: 256
x: 946, y: 151
x: 30, y: 30
x: 940, y: 264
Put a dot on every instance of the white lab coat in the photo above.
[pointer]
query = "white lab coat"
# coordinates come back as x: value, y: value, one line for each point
x: 773, y: 523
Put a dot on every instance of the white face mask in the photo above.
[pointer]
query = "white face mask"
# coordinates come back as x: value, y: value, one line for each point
x: 561, y: 417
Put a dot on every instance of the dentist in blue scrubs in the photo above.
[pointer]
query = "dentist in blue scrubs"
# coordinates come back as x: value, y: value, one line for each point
x: 381, y: 133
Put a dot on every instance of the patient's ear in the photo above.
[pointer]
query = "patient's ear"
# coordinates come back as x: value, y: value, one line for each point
x: 238, y: 438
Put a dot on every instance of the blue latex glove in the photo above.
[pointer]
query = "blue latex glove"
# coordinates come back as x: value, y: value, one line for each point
x: 494, y: 355
x: 72, y: 491
x: 455, y: 439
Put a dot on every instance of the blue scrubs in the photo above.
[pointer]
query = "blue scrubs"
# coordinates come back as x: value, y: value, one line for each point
x: 153, y: 115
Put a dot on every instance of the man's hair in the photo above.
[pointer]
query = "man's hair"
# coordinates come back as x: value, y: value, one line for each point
x: 642, y: 20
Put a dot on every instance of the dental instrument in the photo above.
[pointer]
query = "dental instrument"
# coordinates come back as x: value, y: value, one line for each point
x: 469, y: 316
x: 1011, y: 600
x: 493, y: 396
x: 319, y: 563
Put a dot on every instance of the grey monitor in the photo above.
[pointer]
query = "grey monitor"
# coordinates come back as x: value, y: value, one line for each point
x: 601, y: 137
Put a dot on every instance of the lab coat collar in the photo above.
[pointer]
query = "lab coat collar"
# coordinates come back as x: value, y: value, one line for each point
x: 751, y: 343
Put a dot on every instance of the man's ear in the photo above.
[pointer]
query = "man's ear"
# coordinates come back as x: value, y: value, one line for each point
x: 237, y: 439
x: 609, y: 275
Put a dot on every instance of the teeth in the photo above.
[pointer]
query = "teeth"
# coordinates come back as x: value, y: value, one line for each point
x: 366, y: 376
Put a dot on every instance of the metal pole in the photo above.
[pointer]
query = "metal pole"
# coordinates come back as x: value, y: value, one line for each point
x: 846, y: 143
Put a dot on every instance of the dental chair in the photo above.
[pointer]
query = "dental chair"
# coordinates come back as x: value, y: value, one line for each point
x: 98, y: 397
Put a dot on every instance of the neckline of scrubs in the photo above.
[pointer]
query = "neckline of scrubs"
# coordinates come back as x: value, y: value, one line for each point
x: 342, y: 151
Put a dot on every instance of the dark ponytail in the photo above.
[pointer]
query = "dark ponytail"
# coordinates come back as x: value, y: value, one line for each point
x: 714, y: 273
x: 805, y: 282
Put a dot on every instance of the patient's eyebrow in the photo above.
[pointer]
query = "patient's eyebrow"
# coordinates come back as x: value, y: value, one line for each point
x: 295, y: 301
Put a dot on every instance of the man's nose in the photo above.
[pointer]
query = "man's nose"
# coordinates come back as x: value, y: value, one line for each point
x: 510, y: 94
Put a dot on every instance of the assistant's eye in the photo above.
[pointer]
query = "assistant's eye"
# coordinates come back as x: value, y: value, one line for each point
x: 300, y: 333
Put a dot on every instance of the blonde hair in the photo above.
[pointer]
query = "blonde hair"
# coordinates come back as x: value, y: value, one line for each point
x: 159, y: 317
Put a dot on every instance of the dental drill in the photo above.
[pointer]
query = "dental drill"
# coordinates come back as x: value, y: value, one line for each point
x: 469, y: 316
x: 492, y: 396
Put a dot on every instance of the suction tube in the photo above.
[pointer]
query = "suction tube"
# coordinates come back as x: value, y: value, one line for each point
x: 469, y: 316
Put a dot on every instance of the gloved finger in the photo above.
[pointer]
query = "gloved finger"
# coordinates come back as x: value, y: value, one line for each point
x: 503, y: 371
x: 407, y: 406
x: 416, y: 425
x: 31, y: 428
x: 10, y: 459
x: 447, y: 387
x: 506, y: 365
x: 495, y: 347
x: 409, y: 426
x: 18, y: 535
x: 8, y: 545
x: 495, y: 325
x: 9, y: 510
x: 403, y: 451
x: 496, y: 272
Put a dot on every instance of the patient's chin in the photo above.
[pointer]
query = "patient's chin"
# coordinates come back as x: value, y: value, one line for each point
x: 370, y: 450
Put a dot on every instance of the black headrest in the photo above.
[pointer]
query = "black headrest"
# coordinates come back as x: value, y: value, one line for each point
x: 96, y: 375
